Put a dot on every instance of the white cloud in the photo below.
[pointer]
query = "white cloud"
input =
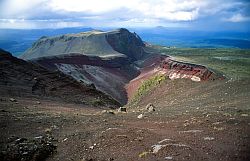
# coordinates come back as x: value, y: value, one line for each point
x: 106, y: 12
x: 166, y: 9
x: 20, y: 8
x: 37, y: 24
x: 173, y: 10
x: 91, y: 6
x: 237, y: 18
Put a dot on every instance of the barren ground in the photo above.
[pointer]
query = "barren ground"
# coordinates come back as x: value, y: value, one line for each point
x: 192, y: 121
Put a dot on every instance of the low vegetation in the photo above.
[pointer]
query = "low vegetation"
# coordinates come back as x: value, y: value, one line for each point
x: 96, y: 102
x: 233, y: 63
x: 148, y: 85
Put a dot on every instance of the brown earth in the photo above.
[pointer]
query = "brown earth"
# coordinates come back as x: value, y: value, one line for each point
x: 192, y: 121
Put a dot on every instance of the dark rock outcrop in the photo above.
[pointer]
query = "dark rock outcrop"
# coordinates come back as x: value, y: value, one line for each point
x: 126, y: 43
x: 108, y: 76
x: 22, y: 149
x: 21, y: 78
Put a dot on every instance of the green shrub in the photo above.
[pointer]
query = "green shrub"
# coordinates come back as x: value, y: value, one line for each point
x: 97, y: 102
x: 148, y: 85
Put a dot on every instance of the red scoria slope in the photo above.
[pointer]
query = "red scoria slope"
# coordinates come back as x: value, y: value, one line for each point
x: 161, y: 64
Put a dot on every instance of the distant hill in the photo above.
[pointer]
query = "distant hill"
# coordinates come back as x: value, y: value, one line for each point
x: 180, y: 37
x: 17, y: 41
x: 118, y: 43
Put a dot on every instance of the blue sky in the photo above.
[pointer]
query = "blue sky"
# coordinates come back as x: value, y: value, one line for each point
x: 189, y: 14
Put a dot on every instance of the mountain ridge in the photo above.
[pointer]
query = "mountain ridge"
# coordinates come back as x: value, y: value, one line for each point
x: 115, y: 43
x: 115, y: 62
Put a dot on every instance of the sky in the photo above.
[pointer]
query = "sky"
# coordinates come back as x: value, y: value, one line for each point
x: 190, y: 14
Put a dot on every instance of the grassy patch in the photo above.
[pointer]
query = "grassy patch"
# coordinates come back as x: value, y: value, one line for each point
x: 148, y: 85
x: 97, y: 102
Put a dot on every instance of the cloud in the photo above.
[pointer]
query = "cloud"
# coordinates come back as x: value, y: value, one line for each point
x: 90, y: 6
x: 237, y: 18
x: 38, y: 24
x: 119, y: 12
x: 20, y: 8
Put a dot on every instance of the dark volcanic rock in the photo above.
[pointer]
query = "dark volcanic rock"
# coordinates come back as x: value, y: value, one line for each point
x: 21, y: 78
x: 126, y: 43
x: 22, y: 149
x: 109, y: 76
